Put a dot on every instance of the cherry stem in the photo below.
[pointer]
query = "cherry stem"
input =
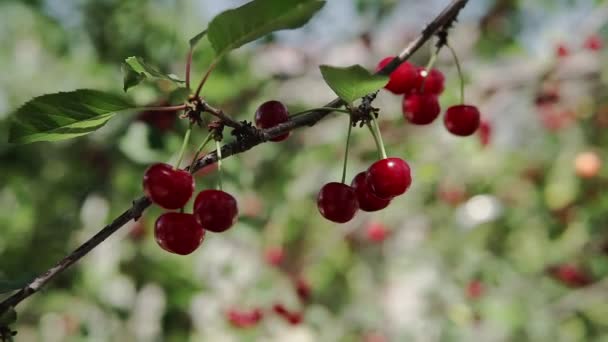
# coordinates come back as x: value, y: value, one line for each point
x: 350, y: 128
x: 163, y: 109
x: 377, y: 137
x: 320, y: 109
x: 427, y: 69
x: 218, y: 149
x: 460, y: 74
x: 184, y: 144
x: 199, y: 150
x: 188, y: 67
x: 205, y: 77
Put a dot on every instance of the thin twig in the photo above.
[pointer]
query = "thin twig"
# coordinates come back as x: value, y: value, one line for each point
x: 226, y: 119
x: 236, y: 147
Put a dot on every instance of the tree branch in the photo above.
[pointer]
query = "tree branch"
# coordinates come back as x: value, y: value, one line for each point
x: 442, y: 21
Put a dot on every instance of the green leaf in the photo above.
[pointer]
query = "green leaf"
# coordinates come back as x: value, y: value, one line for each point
x: 353, y: 82
x: 236, y: 27
x: 136, y: 70
x: 64, y: 115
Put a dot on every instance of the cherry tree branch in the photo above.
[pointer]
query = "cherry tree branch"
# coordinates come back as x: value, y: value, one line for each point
x: 443, y: 21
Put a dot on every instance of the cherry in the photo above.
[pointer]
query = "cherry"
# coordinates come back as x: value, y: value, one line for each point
x: 376, y: 232
x: 389, y: 177
x: 303, y: 289
x: 594, y: 43
x: 215, y: 210
x: 243, y: 319
x: 274, y: 256
x: 367, y: 200
x: 337, y: 202
x: 403, y: 80
x: 420, y: 109
x: 270, y: 114
x: 485, y: 133
x: 570, y: 275
x: 462, y: 120
x: 168, y: 187
x: 475, y: 289
x: 562, y: 50
x: 433, y: 83
x: 178, y: 233
x: 294, y: 318
x: 162, y: 120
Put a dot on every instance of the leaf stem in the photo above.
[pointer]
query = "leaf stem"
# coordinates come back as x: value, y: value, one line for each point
x: 184, y: 144
x: 218, y: 149
x: 205, y: 77
x: 460, y: 74
x: 163, y: 108
x: 350, y: 127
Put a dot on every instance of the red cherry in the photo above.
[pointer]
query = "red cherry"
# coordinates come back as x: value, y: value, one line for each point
x: 337, y: 202
x: 562, y: 50
x: 243, y: 319
x: 294, y: 318
x: 376, y: 232
x: 403, y: 80
x: 485, y: 133
x: 420, y: 109
x: 475, y: 289
x: 462, y: 120
x: 367, y: 200
x: 275, y: 256
x: 160, y: 119
x: 270, y: 114
x: 303, y: 289
x: 168, y: 187
x: 215, y: 210
x: 178, y: 233
x: 280, y: 309
x: 389, y: 177
x: 594, y: 43
x: 433, y: 83
x: 570, y: 275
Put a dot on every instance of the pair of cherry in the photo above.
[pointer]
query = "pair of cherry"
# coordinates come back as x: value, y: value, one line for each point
x: 370, y: 190
x: 178, y: 232
x: 421, y: 89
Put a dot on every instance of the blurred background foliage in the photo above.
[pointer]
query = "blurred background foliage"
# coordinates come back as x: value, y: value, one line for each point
x: 502, y: 237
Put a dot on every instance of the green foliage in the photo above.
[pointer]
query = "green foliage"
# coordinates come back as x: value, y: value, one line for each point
x: 353, y: 82
x: 65, y: 115
x: 135, y: 70
x: 236, y: 27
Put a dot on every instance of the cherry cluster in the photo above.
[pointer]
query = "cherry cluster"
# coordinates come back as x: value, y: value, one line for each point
x: 421, y: 89
x: 179, y: 232
x: 214, y: 210
x: 370, y: 190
